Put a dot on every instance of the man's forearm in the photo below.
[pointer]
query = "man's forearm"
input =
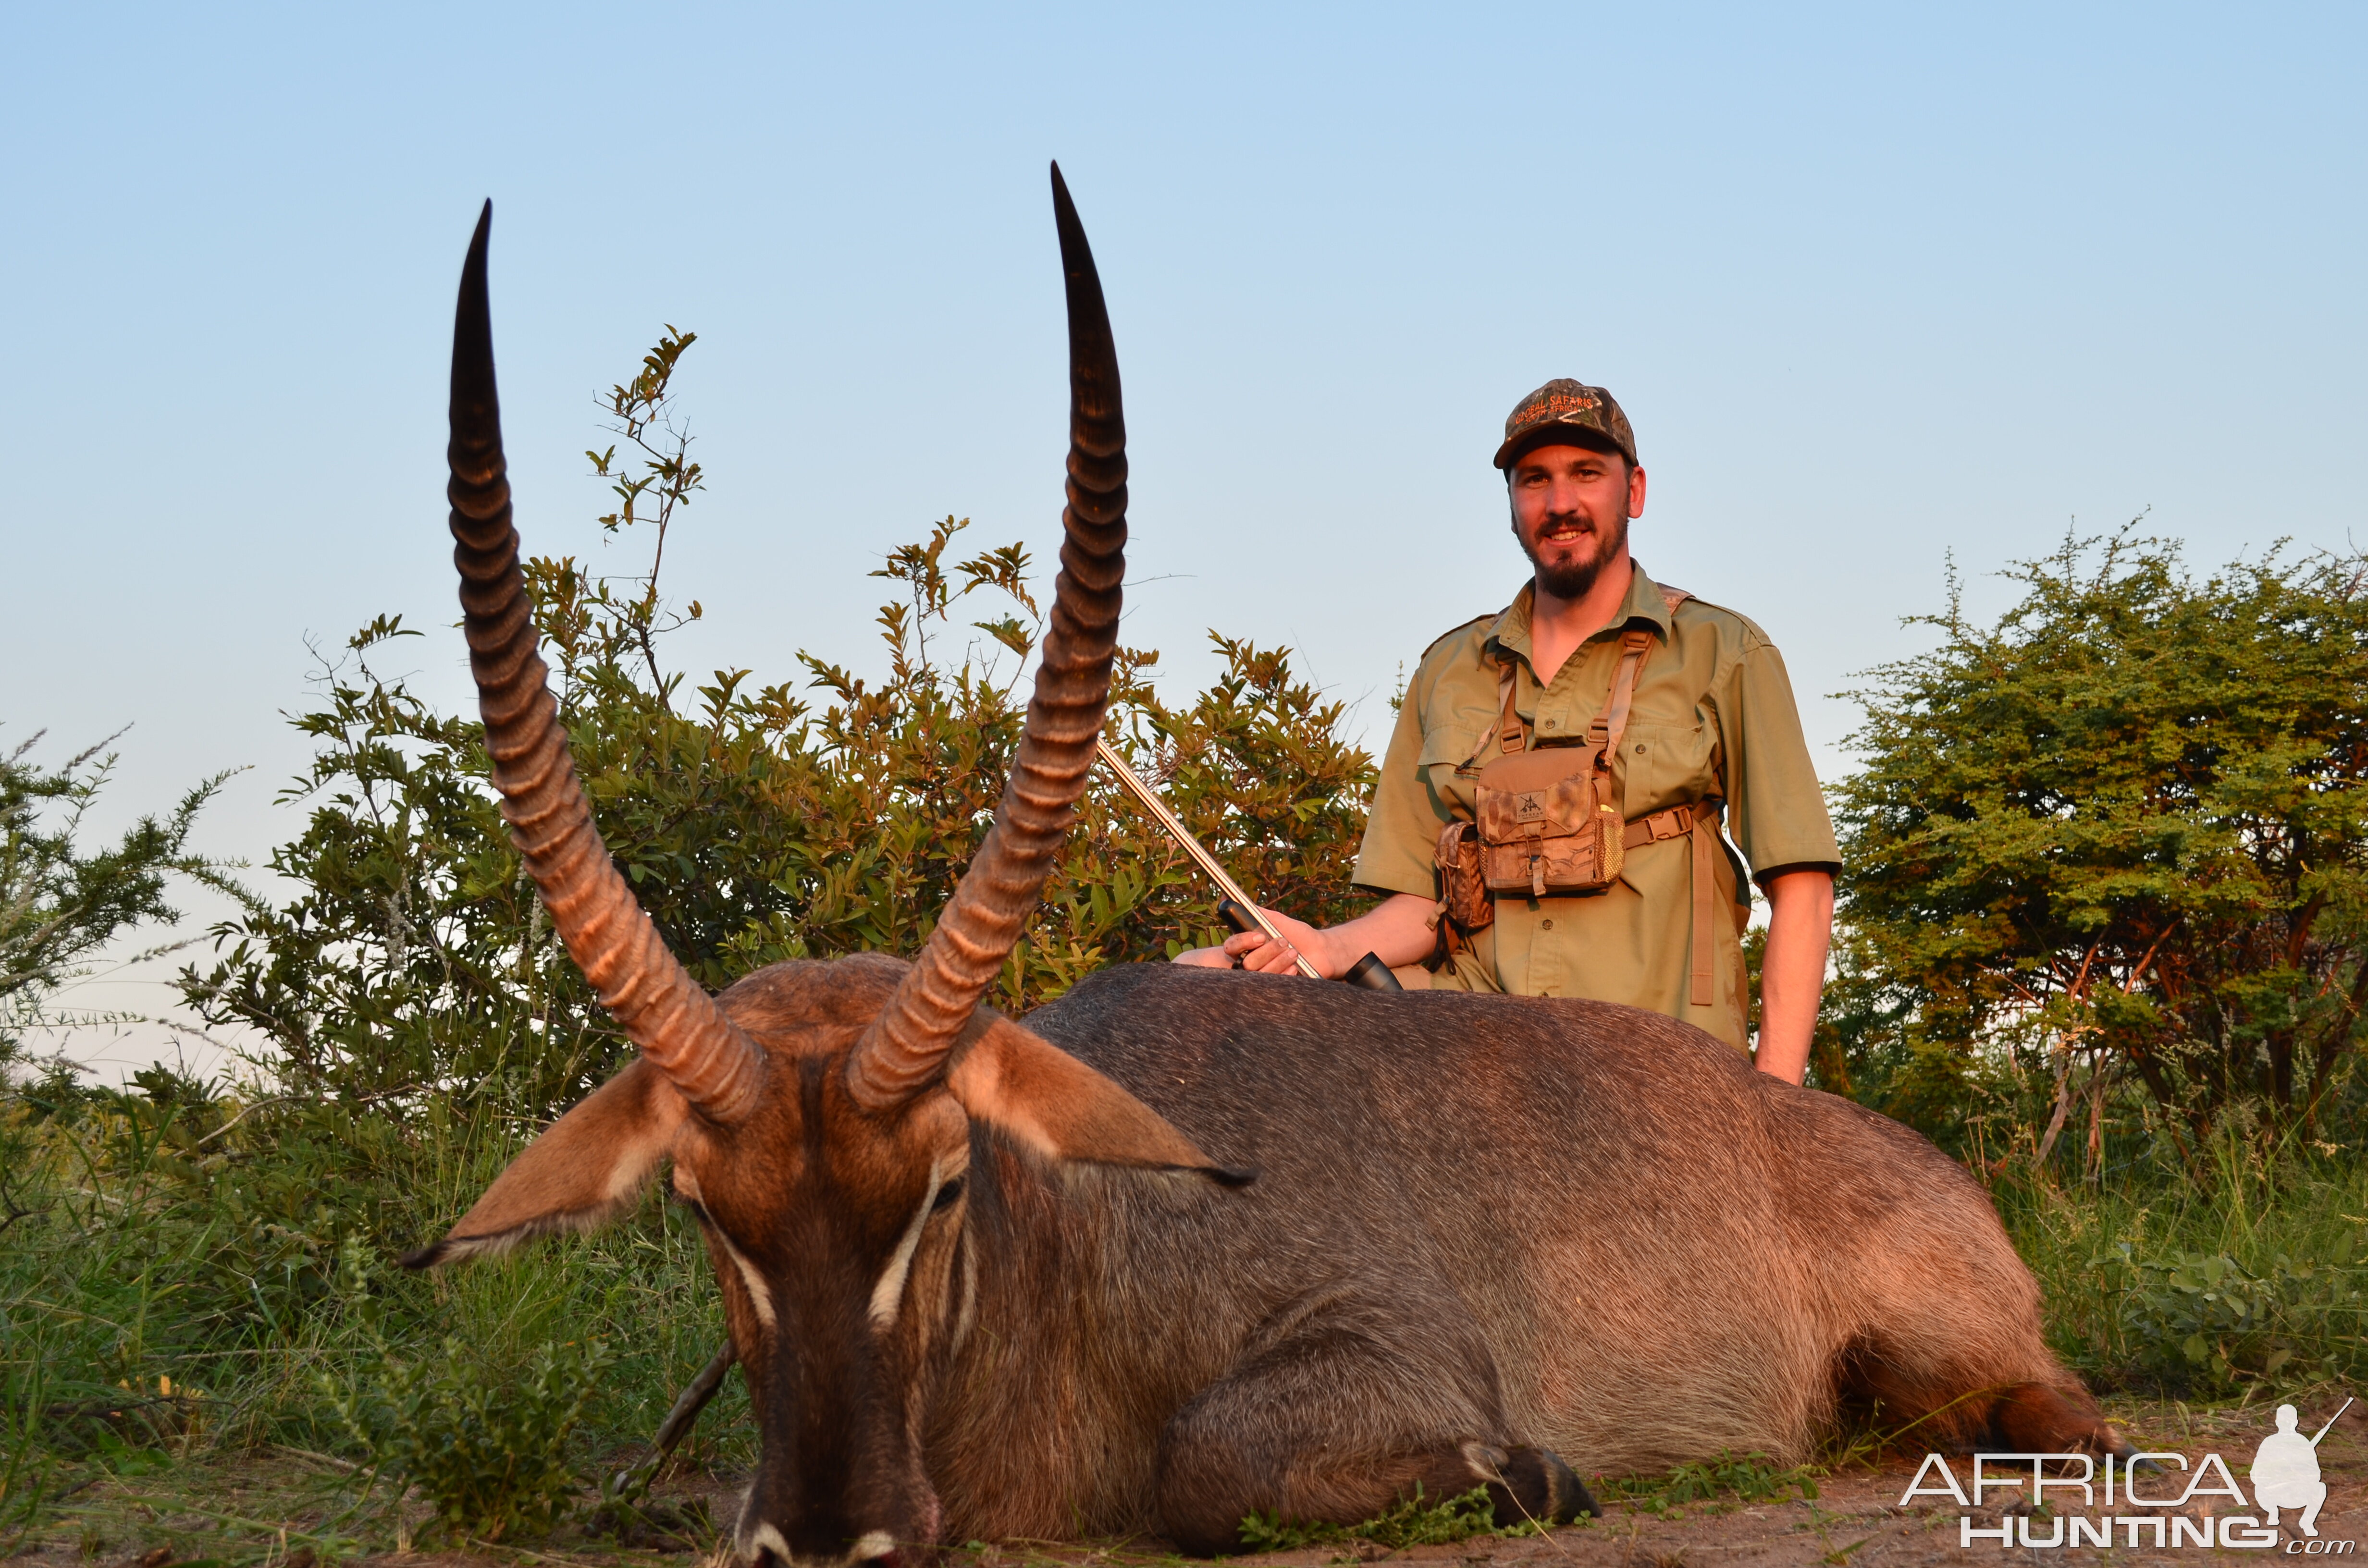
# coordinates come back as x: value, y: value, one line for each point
x: 1793, y: 971
x: 1398, y: 929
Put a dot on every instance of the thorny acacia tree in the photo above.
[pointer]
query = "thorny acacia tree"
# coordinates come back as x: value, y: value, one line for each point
x: 2124, y: 832
x: 62, y: 901
x: 754, y: 826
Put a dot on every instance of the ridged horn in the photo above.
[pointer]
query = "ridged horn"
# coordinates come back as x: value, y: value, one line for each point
x: 662, y: 1010
x: 904, y: 1048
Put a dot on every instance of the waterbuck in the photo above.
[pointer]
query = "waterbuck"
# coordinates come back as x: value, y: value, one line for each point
x: 1195, y: 1244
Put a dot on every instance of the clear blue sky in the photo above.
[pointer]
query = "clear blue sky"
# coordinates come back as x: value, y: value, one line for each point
x: 1875, y: 284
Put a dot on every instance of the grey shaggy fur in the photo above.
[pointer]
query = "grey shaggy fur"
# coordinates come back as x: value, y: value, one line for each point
x: 1477, y: 1219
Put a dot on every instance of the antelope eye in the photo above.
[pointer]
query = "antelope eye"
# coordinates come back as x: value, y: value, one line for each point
x: 947, y: 1193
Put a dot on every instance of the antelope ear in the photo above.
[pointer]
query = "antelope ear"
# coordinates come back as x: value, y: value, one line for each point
x: 585, y: 1169
x: 1047, y: 1099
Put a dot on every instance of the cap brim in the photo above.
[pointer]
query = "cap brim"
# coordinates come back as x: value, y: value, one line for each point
x: 1556, y: 433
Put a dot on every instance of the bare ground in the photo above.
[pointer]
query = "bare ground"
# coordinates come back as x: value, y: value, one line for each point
x: 285, y: 1509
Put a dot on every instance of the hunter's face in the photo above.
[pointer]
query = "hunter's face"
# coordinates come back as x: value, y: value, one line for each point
x: 1571, y: 507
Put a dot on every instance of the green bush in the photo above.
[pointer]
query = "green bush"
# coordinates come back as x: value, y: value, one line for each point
x: 2109, y: 854
x: 2225, y: 1322
x: 487, y: 1445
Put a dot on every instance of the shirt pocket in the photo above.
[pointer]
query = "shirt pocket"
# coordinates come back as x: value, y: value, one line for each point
x: 1445, y: 749
x: 1666, y: 765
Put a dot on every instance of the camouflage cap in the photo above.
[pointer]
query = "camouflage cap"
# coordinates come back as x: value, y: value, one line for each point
x: 1564, y: 405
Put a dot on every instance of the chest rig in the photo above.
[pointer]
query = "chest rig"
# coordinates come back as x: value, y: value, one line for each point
x: 1549, y: 820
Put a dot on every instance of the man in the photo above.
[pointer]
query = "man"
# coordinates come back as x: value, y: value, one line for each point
x: 1710, y: 731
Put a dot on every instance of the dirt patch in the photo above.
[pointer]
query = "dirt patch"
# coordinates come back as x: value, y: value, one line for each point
x: 285, y: 1510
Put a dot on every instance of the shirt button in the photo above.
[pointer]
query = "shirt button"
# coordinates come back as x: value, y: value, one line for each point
x: 1553, y: 723
x: 1545, y: 925
x: 1640, y: 749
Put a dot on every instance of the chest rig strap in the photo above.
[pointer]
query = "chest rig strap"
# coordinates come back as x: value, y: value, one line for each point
x: 1512, y: 736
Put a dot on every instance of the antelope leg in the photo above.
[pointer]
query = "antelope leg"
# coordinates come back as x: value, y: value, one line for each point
x: 1354, y: 1407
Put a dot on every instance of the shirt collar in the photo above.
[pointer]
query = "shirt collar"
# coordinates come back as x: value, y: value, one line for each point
x: 1510, y: 631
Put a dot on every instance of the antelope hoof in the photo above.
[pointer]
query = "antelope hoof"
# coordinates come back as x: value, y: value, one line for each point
x: 1535, y: 1486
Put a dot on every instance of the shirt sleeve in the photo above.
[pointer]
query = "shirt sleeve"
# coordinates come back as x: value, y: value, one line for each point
x: 1779, y: 810
x: 1400, y: 843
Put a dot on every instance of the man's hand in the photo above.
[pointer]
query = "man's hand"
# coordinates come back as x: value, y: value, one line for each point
x: 1251, y: 949
x: 1256, y: 951
x: 1398, y: 929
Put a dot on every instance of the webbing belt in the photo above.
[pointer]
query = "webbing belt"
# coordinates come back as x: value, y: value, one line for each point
x: 1701, y: 824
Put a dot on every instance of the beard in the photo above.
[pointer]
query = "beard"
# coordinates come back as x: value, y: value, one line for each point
x: 1571, y: 578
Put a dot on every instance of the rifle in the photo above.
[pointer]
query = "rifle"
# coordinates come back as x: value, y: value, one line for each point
x: 1237, y: 909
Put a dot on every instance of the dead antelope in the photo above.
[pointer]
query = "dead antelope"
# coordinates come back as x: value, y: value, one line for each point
x: 1194, y: 1243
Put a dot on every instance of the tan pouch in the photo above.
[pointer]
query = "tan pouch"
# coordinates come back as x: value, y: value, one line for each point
x: 1544, y: 827
x: 1463, y: 901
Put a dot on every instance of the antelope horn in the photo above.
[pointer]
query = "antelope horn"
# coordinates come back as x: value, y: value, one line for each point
x: 905, y: 1048
x: 664, y: 1010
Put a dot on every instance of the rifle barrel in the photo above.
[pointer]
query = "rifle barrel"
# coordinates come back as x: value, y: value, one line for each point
x: 1192, y: 847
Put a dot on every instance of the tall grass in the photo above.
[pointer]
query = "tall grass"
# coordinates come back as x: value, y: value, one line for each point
x: 2251, y: 1272
x: 164, y: 1293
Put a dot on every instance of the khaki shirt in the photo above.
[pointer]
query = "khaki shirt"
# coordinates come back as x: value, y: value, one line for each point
x: 1713, y: 718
